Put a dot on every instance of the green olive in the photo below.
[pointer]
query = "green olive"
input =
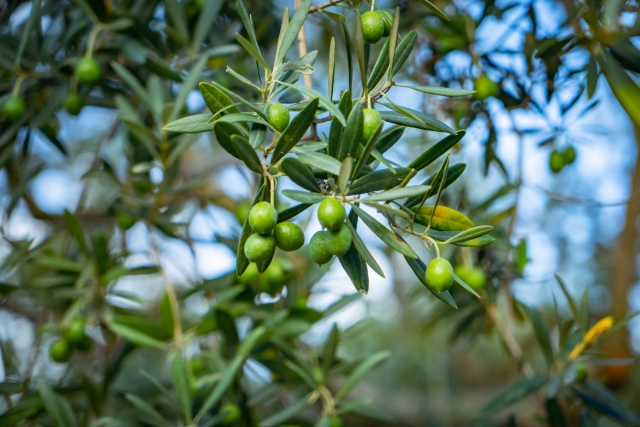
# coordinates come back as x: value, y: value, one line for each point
x: 232, y: 413
x: 335, y: 421
x: 439, y: 274
x: 13, y: 108
x: 485, y: 88
x: 318, y: 248
x: 263, y: 217
x: 198, y: 365
x: 242, y: 212
x: 73, y: 104
x: 387, y: 20
x: 289, y: 237
x: 74, y: 333
x: 472, y: 276
x: 570, y: 155
x: 279, y: 116
x: 125, y: 221
x: 372, y: 27
x: 84, y: 344
x: 250, y: 274
x: 259, y: 248
x: 88, y: 71
x: 557, y: 161
x: 60, y: 351
x: 372, y: 120
x: 338, y: 242
x: 274, y: 278
x: 582, y: 373
x: 331, y: 213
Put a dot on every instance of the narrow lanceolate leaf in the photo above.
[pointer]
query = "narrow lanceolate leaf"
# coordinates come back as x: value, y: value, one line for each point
x: 292, y: 212
x: 188, y: 86
x: 389, y: 139
x: 478, y: 242
x: 244, y: 118
x: 624, y: 88
x: 247, y: 22
x: 75, y: 230
x: 283, y: 30
x: 389, y: 209
x: 181, y: 386
x: 345, y: 173
x: 352, y: 135
x: 322, y: 162
x: 437, y: 150
x: 257, y: 135
x: 291, y: 33
x: 34, y: 17
x: 384, y: 234
x: 332, y: 66
x: 149, y: 413
x: 330, y: 347
x: 356, y: 269
x: 303, y: 196
x: 379, y: 180
x: 247, y: 154
x: 300, y: 174
x: 222, y: 385
x: 252, y: 50
x: 404, y: 50
x: 242, y: 79
x: 360, y: 52
x: 324, y: 101
x: 397, y: 193
x: 135, y: 85
x: 592, y: 76
x: 380, y: 67
x: 517, y: 392
x: 420, y: 270
x: 464, y: 285
x: 215, y: 99
x: 470, y: 234
x: 347, y: 40
x: 360, y: 371
x: 206, y: 19
x: 453, y: 173
x: 191, y: 124
x: 423, y: 120
x: 362, y: 250
x: 572, y: 302
x: 542, y: 334
x: 441, y: 91
x: 295, y: 131
x: 134, y: 336
x: 58, y: 408
x: 393, y: 39
x: 368, y: 148
x: 336, y: 130
x: 224, y: 132
x: 290, y: 411
x: 241, y: 100
x: 444, y: 218
x: 434, y: 8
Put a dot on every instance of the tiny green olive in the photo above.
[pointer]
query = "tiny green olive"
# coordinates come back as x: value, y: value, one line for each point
x: 318, y: 248
x: 485, y: 88
x: 259, y: 248
x: 570, y: 155
x: 279, y: 116
x: 263, y: 217
x: 289, y: 237
x: 13, y: 108
x: 75, y: 331
x: 88, y: 71
x: 60, y: 351
x: 331, y: 213
x: 557, y: 161
x: 73, y: 104
x: 232, y: 413
x: 372, y: 120
x: 439, y: 274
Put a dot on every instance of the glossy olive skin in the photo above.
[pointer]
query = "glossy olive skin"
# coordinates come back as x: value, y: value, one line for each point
x: 74, y: 333
x: 88, y: 71
x: 289, y: 237
x: 372, y: 120
x: 472, y: 276
x: 582, y: 373
x: 439, y: 274
x: 387, y: 20
x: 250, y: 274
x: 338, y: 242
x: 13, y: 108
x: 372, y: 27
x: 259, y: 248
x: 73, y: 104
x: 318, y: 248
x: 557, y: 161
x: 279, y: 116
x: 331, y: 214
x: 274, y: 278
x: 233, y: 413
x: 60, y: 351
x: 263, y: 217
x: 570, y: 155
x: 126, y: 221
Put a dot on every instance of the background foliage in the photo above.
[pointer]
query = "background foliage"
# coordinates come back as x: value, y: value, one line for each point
x: 109, y: 218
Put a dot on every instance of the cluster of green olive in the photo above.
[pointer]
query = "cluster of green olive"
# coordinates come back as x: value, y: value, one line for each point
x: 272, y: 280
x: 72, y: 337
x: 261, y: 245
x: 375, y: 25
x: 559, y: 159
x: 336, y: 239
x: 440, y: 275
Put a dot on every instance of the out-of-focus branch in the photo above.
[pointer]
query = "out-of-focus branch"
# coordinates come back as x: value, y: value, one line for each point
x: 320, y: 7
x: 509, y: 340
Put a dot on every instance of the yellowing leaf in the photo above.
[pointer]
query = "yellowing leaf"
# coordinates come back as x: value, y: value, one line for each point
x: 591, y: 336
x: 444, y: 219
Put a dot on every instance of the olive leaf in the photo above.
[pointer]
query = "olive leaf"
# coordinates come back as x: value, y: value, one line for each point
x: 453, y: 173
x: 443, y: 218
x: 303, y: 196
x: 387, y: 236
x: 437, y: 150
x: 247, y: 154
x: 300, y: 174
x: 295, y: 131
x: 440, y: 91
x: 321, y: 161
x: 291, y: 32
x: 383, y: 179
x: 352, y: 135
x: 336, y: 130
x: 397, y: 193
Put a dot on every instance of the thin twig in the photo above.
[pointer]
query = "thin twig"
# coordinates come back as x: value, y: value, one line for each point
x: 320, y: 7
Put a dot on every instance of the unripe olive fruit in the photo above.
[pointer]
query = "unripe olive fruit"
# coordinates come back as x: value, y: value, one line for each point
x: 289, y: 237
x: 73, y: 104
x: 84, y: 344
x: 439, y: 274
x: 557, y: 161
x: 372, y: 27
x: 274, y: 278
x: 318, y: 248
x: 242, y: 211
x: 263, y: 217
x: 582, y: 373
x: 335, y: 421
x: 13, y: 108
x: 126, y: 221
x: 338, y: 242
x: 331, y: 214
x: 279, y: 116
x: 372, y: 120
x: 250, y: 274
x: 88, y: 71
x: 485, y: 87
x: 60, y: 351
x: 259, y: 248
x: 570, y: 155
x: 198, y: 367
x: 233, y: 413
x: 387, y: 20
x: 472, y: 276
x: 74, y: 333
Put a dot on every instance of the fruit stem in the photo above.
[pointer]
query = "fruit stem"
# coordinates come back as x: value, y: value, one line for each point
x: 16, y: 88
x: 92, y: 41
x: 373, y: 4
